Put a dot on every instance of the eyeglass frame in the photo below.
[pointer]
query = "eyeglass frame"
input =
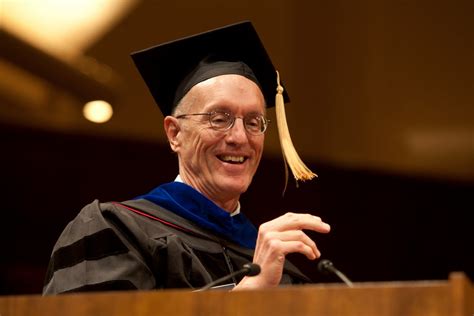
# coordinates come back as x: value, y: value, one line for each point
x: 265, y: 121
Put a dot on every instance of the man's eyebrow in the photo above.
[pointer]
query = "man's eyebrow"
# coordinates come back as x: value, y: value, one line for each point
x: 225, y: 108
x: 220, y: 107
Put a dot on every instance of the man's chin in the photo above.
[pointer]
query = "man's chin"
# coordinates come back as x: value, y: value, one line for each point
x: 233, y: 187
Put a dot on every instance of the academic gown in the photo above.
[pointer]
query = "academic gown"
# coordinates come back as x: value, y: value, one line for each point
x: 138, y: 244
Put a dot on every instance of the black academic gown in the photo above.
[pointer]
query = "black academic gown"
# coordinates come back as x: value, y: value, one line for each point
x: 139, y: 245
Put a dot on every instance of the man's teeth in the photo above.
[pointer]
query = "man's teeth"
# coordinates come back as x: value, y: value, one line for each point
x: 238, y: 159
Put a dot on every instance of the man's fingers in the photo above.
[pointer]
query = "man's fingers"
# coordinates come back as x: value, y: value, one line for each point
x: 277, y: 246
x: 278, y: 242
x: 296, y: 236
x: 293, y: 221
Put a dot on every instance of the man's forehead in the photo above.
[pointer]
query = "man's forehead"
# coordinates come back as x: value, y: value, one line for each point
x: 227, y: 91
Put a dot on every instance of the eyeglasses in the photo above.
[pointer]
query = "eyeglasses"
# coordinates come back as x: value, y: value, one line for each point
x: 254, y: 124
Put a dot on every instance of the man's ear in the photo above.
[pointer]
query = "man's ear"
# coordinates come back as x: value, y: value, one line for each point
x: 172, y: 130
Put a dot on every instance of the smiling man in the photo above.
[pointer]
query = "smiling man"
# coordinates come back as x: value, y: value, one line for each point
x: 219, y: 145
x: 213, y: 89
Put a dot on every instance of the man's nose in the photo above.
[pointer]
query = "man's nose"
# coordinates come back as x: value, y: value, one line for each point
x: 237, y: 132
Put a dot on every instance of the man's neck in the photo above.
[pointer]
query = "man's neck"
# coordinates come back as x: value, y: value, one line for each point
x: 231, y: 206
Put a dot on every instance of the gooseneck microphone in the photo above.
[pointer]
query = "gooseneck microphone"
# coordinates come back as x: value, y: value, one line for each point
x: 249, y: 269
x: 327, y: 267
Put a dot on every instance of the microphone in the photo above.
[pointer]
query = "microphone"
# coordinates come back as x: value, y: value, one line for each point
x: 327, y: 267
x: 249, y: 269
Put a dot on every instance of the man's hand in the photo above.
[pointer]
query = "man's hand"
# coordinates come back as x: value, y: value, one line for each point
x: 276, y: 239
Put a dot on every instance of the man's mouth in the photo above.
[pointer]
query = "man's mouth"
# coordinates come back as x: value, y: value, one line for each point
x: 232, y: 159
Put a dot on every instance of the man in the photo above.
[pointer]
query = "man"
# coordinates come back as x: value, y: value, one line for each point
x: 213, y: 89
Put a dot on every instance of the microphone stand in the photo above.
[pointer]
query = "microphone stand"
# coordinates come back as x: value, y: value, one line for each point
x: 249, y: 269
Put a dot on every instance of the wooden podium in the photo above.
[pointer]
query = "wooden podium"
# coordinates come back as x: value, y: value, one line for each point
x: 429, y: 298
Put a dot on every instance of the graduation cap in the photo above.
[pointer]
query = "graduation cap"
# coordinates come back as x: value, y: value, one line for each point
x: 171, y: 69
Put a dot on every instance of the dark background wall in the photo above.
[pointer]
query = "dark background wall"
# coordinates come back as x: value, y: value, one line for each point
x: 374, y: 84
x: 384, y: 226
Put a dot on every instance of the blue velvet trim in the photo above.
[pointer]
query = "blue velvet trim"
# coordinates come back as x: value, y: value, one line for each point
x: 188, y: 203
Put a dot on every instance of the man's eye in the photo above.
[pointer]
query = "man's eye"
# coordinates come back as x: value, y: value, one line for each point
x: 219, y: 119
x: 253, y: 122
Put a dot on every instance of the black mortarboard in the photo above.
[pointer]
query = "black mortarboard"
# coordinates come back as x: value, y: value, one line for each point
x: 171, y: 69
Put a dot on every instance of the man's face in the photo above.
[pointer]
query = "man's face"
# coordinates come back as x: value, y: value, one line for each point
x: 220, y: 164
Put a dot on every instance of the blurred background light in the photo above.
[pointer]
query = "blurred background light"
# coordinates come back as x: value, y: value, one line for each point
x: 61, y: 28
x: 98, y: 111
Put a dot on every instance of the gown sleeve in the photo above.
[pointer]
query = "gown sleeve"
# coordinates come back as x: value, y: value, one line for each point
x: 95, y: 253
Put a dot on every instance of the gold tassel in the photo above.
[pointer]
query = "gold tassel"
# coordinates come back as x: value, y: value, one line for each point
x: 290, y: 156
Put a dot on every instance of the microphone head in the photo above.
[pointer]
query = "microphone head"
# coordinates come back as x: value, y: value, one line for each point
x: 325, y: 266
x: 252, y: 269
